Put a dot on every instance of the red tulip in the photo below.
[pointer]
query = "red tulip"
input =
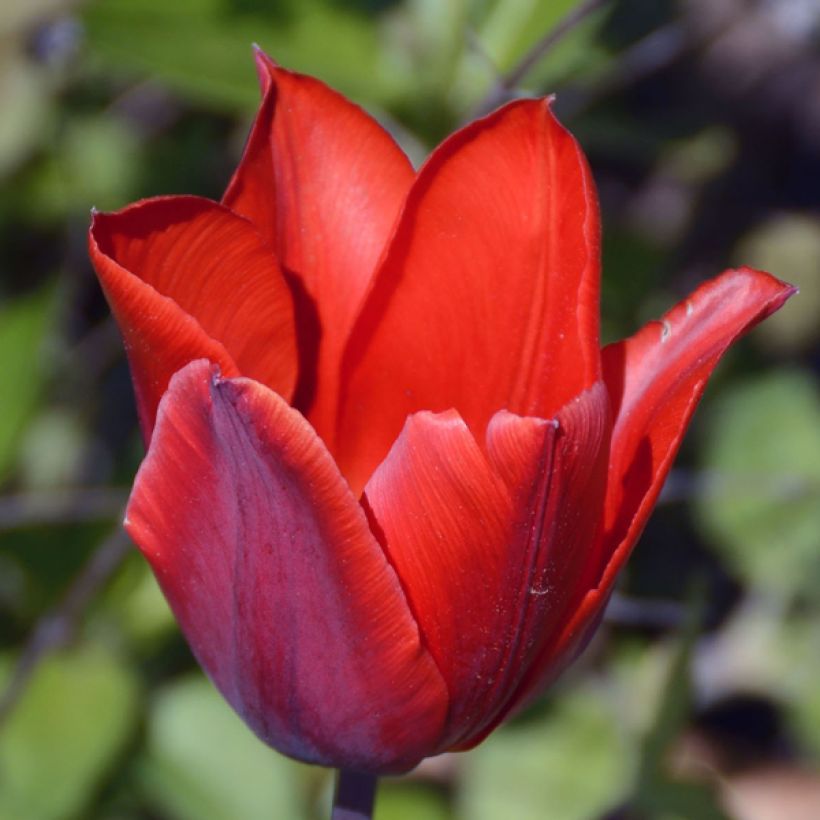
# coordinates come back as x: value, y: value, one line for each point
x: 392, y: 476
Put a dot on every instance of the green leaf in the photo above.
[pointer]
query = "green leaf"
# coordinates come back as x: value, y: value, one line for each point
x: 502, y: 33
x: 25, y: 102
x: 23, y: 325
x: 51, y: 450
x: 758, y: 500
x: 797, y: 648
x: 513, y: 26
x: 657, y: 792
x: 571, y: 765
x: 202, y: 48
x: 65, y: 733
x: 508, y: 38
x: 425, y: 39
x: 410, y: 801
x: 203, y: 763
x: 138, y: 604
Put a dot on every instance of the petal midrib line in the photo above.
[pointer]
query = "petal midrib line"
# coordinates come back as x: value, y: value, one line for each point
x: 543, y: 499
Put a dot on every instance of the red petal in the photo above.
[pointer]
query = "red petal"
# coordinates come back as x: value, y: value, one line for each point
x: 283, y: 593
x: 655, y: 380
x: 324, y: 182
x: 488, y: 294
x: 187, y: 279
x: 489, y: 551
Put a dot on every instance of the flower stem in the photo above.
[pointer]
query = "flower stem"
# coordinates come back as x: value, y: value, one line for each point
x: 354, y: 797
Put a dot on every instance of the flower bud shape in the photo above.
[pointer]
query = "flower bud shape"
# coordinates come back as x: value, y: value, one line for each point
x: 391, y: 474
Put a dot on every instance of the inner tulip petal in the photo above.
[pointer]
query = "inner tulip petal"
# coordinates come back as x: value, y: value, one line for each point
x: 284, y: 595
x: 187, y: 279
x: 488, y: 293
x: 323, y: 181
x: 490, y: 550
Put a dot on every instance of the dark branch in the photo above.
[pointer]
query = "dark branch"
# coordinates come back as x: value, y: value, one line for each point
x: 58, y: 626
x: 60, y: 506
x: 540, y: 50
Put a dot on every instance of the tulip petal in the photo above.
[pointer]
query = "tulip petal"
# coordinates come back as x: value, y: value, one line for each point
x: 324, y: 182
x: 655, y: 380
x: 490, y: 548
x: 283, y: 593
x: 188, y: 279
x: 488, y: 294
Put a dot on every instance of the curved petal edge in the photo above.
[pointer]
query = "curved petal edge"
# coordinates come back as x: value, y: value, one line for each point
x: 491, y: 548
x: 188, y: 279
x: 285, y: 597
x: 498, y: 240
x: 323, y: 182
x: 655, y: 380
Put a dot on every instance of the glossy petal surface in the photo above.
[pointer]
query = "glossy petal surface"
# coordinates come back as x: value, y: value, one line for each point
x: 490, y: 549
x: 487, y: 298
x: 188, y: 279
x: 271, y: 570
x: 324, y: 183
x: 392, y: 477
x: 655, y: 380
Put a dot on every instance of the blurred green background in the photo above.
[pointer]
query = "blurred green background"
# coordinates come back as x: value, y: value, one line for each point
x: 701, y: 118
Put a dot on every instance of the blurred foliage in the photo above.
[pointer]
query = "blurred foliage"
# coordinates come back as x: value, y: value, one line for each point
x: 700, y: 121
x: 525, y: 772
x: 66, y: 733
x: 23, y: 326
x: 790, y: 242
x: 761, y: 481
x: 201, y: 762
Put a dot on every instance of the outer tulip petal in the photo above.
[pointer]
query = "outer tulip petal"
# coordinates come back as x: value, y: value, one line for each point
x: 655, y: 380
x: 490, y: 549
x: 324, y: 182
x: 488, y: 295
x: 283, y: 593
x: 188, y: 279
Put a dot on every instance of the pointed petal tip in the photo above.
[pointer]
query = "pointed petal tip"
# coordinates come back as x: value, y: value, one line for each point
x: 777, y: 291
x: 94, y: 226
x: 215, y: 373
x: 656, y: 381
x: 170, y: 268
x: 261, y: 56
x: 265, y: 66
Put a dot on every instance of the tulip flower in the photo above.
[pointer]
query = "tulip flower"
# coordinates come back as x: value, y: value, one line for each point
x: 391, y: 475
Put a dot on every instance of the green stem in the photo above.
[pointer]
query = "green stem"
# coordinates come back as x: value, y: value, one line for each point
x: 537, y: 53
